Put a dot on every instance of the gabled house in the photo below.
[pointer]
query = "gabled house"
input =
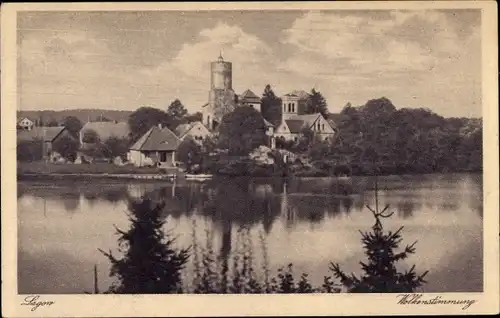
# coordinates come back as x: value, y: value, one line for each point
x: 292, y: 128
x: 157, y: 147
x: 49, y: 135
x: 25, y: 124
x: 195, y: 130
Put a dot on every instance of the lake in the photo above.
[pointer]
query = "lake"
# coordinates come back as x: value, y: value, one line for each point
x: 307, y: 222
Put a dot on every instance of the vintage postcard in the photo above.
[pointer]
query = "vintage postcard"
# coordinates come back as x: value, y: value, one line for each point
x: 281, y: 158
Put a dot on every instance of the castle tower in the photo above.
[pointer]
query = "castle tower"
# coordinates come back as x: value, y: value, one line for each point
x: 221, y: 74
x: 221, y: 98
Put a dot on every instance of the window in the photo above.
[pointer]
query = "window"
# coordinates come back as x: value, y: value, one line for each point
x: 323, y: 127
x: 294, y: 138
x: 293, y: 108
x: 284, y: 107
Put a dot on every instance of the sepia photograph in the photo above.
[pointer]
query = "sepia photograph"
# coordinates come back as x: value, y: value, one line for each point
x: 194, y: 150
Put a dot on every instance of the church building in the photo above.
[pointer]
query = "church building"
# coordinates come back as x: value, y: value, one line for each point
x: 294, y: 119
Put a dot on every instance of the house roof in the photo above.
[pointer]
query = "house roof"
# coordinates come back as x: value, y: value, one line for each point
x: 298, y: 122
x: 157, y: 139
x: 332, y: 123
x: 295, y: 125
x: 267, y: 123
x: 107, y: 129
x: 23, y: 118
x: 44, y: 133
x: 182, y: 129
x: 248, y: 95
x: 299, y: 93
x: 308, y: 119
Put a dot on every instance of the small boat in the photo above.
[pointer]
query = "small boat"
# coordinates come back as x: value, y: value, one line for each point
x: 198, y: 176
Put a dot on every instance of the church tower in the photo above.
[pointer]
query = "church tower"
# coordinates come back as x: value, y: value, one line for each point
x: 290, y: 106
x: 221, y: 98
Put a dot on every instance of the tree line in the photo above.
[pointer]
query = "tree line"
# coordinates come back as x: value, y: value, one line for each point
x: 375, y: 138
x: 378, y: 138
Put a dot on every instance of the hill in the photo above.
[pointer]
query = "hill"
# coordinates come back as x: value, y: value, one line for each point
x: 83, y: 115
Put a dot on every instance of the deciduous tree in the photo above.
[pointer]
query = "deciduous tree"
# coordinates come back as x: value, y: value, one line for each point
x: 144, y: 118
x: 242, y: 130
x: 73, y: 125
x: 176, y: 110
x: 271, y: 106
x: 116, y: 147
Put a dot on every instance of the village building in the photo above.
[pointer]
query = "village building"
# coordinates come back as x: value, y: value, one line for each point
x: 195, y: 130
x: 49, y: 135
x: 294, y: 120
x: 248, y: 98
x: 25, y: 124
x: 157, y: 147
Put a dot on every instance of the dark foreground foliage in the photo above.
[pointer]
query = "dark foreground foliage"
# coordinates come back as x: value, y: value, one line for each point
x: 380, y: 274
x: 151, y: 263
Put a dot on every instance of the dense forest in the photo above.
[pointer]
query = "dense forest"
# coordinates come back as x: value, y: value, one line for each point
x: 379, y: 138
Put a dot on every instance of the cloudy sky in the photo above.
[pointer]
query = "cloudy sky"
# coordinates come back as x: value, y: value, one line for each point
x: 123, y: 60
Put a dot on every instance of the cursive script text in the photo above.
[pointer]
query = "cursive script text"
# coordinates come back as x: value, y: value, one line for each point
x: 35, y: 302
x: 420, y: 299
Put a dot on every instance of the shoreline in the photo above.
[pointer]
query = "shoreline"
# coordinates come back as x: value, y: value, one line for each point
x: 171, y: 177
x: 77, y: 176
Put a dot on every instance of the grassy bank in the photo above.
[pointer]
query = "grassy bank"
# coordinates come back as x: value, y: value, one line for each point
x: 42, y: 168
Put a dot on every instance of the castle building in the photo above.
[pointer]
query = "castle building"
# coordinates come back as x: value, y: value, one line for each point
x: 221, y: 98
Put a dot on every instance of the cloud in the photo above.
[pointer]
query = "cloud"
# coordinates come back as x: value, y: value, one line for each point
x: 189, y: 71
x: 389, y: 55
x: 402, y: 42
x: 415, y: 58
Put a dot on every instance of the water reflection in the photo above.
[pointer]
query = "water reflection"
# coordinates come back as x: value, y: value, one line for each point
x: 245, y: 201
x: 291, y: 213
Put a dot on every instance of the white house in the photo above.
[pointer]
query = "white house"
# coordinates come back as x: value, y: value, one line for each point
x: 156, y: 147
x: 292, y: 128
x: 195, y: 130
x: 25, y: 124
